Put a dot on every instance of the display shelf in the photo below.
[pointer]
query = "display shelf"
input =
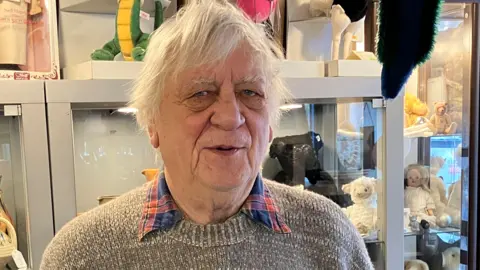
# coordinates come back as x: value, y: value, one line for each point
x: 304, y: 78
x: 114, y: 70
x: 434, y: 231
x: 99, y: 70
x: 108, y: 6
x: 16, y: 92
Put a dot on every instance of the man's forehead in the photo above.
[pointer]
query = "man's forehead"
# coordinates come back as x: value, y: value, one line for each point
x: 222, y: 73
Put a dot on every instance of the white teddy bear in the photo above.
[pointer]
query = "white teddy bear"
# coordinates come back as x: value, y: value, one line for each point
x: 363, y: 213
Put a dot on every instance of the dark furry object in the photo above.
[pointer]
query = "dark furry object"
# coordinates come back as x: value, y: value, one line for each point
x: 406, y: 37
x: 355, y: 9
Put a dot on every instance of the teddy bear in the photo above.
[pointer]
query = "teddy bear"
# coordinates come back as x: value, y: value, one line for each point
x: 363, y: 212
x: 451, y: 258
x: 441, y: 120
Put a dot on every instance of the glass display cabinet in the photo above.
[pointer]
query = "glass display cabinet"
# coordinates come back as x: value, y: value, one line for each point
x: 437, y: 132
x: 333, y: 134
x: 26, y: 220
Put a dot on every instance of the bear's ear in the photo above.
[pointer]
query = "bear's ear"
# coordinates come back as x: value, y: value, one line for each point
x: 346, y: 188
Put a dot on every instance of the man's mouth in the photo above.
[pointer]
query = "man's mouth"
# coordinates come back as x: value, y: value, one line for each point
x: 225, y: 149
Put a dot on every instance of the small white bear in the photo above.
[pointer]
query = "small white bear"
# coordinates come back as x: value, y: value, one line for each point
x: 363, y: 213
x: 451, y: 258
x: 416, y: 265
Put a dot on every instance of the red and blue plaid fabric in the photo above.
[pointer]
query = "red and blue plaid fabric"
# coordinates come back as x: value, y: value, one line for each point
x: 161, y: 213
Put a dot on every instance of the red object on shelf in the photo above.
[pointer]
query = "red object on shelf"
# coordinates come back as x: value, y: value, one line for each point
x: 257, y: 10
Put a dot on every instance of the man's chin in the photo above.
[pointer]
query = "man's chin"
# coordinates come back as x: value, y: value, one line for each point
x: 224, y: 182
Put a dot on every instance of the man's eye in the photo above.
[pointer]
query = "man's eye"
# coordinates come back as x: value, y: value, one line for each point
x: 249, y: 93
x: 200, y: 94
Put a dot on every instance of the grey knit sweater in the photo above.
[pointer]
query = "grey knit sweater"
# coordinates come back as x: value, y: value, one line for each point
x: 107, y: 238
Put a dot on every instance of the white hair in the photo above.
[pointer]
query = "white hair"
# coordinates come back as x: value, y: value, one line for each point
x: 204, y: 32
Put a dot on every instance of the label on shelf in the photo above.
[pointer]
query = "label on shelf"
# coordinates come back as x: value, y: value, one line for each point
x: 19, y: 260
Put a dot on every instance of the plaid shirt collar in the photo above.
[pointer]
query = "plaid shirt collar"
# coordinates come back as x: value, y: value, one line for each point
x: 161, y: 213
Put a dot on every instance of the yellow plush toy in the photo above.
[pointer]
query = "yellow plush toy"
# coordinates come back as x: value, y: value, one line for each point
x: 414, y: 109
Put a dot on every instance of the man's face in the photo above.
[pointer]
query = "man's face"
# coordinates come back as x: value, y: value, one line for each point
x: 212, y: 126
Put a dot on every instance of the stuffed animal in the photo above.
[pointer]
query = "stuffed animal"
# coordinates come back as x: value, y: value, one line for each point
x: 416, y: 265
x: 436, y: 163
x: 451, y: 258
x: 441, y: 120
x: 454, y: 204
x: 257, y: 10
x: 363, y: 213
x: 414, y: 109
x: 417, y: 195
x: 439, y: 195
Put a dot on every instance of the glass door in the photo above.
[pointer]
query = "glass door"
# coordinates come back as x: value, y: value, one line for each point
x: 437, y: 139
x: 26, y: 221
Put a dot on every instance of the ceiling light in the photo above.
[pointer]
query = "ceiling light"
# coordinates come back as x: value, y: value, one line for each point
x: 127, y: 110
x: 291, y: 106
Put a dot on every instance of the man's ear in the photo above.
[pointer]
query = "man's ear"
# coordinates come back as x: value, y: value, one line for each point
x: 153, y: 135
x: 270, y: 134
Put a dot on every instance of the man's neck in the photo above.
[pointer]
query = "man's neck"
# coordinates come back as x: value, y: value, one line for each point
x: 203, y: 205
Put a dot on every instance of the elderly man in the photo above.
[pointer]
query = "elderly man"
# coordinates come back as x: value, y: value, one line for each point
x: 207, y: 96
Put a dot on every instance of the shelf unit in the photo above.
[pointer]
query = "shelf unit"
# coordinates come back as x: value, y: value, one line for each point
x: 66, y: 95
x: 26, y: 182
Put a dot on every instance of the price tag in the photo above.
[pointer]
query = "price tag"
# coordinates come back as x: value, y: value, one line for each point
x: 144, y: 15
x: 19, y: 260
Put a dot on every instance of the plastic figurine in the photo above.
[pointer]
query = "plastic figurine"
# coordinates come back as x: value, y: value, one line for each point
x: 441, y: 120
x: 417, y: 194
x: 129, y: 38
x: 347, y: 18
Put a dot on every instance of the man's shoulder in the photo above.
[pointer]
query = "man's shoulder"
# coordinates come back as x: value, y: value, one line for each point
x: 97, y: 230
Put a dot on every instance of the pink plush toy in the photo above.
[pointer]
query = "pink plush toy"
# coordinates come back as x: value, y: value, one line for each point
x: 257, y: 10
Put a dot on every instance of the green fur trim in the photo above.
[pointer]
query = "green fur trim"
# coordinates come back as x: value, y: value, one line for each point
x: 380, y: 34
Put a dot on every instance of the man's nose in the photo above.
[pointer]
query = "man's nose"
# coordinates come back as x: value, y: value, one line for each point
x: 227, y: 113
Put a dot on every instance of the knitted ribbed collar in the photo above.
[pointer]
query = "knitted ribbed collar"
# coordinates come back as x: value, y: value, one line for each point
x: 161, y: 213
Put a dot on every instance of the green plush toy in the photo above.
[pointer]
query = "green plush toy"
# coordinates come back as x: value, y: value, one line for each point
x: 129, y: 38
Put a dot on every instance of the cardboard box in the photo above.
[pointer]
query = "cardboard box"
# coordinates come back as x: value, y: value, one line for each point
x: 28, y: 34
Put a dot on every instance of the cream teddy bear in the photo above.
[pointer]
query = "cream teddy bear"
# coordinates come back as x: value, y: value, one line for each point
x: 363, y: 213
x: 416, y: 265
x: 441, y: 120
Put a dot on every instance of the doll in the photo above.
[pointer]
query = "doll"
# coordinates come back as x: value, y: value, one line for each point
x: 417, y: 195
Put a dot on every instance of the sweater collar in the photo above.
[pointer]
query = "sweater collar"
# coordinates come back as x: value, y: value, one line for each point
x: 161, y: 213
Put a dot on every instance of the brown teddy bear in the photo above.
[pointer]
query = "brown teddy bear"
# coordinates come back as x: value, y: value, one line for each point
x: 441, y: 120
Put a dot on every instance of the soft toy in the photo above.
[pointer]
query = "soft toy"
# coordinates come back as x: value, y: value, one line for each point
x: 363, y: 213
x: 451, y: 258
x: 436, y: 163
x: 416, y: 265
x: 441, y: 120
x: 439, y: 195
x: 417, y: 195
x: 129, y: 40
x: 454, y: 204
x: 414, y: 108
x: 257, y: 10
